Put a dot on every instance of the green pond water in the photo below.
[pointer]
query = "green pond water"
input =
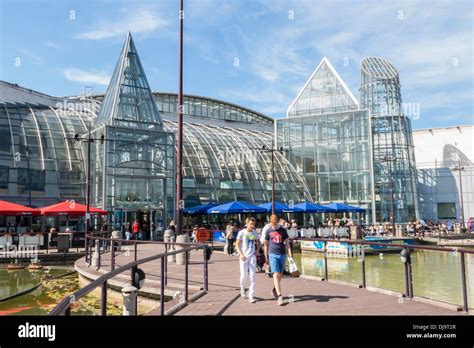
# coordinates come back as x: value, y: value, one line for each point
x: 436, y: 275
x: 45, y: 297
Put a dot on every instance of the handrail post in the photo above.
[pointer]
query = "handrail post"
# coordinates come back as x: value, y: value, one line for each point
x: 47, y: 244
x: 132, y: 275
x: 166, y: 265
x: 325, y: 261
x: 89, y: 246
x: 85, y: 247
x: 410, y: 277
x: 463, y: 279
x: 363, y: 267
x: 186, y: 276
x: 162, y: 287
x: 407, y: 287
x: 206, y: 276
x: 112, y: 255
x: 98, y: 253
x: 135, y: 250
x: 103, y: 299
x: 67, y: 312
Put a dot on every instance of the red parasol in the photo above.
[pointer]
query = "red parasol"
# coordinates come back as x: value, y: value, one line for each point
x: 69, y: 208
x: 12, y: 209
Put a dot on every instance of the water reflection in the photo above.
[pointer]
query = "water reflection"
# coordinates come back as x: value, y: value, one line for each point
x: 436, y: 275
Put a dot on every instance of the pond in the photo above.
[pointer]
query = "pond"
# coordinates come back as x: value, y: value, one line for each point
x: 436, y: 275
x: 44, y: 298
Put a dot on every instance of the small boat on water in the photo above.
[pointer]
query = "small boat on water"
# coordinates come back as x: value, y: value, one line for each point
x: 15, y: 265
x: 344, y: 249
x: 35, y: 265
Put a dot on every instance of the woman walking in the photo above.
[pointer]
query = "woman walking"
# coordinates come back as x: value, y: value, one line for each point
x: 229, y: 238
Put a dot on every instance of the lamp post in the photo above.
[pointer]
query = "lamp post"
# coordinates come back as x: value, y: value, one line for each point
x: 179, y: 152
x: 89, y: 140
x: 272, y: 151
x: 406, y: 260
x: 389, y: 160
x: 459, y: 169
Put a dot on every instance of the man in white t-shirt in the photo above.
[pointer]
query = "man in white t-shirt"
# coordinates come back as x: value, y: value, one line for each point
x: 248, y: 247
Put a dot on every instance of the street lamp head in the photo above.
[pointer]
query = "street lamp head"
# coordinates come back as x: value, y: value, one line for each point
x: 138, y: 278
x: 264, y: 147
x: 405, y: 256
x: 76, y: 137
x: 281, y: 149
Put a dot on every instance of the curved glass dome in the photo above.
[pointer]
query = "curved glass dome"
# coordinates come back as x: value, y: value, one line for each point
x: 378, y: 68
x: 40, y: 163
x: 224, y: 164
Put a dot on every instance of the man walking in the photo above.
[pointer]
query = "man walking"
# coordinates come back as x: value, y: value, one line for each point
x: 248, y: 246
x: 276, y: 247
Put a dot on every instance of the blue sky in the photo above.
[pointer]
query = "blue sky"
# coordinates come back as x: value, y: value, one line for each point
x: 255, y: 53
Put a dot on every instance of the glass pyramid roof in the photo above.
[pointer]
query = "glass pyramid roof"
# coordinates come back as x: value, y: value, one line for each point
x: 129, y: 101
x: 324, y: 92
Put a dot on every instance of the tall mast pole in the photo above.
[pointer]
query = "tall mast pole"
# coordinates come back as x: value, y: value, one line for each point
x: 179, y: 156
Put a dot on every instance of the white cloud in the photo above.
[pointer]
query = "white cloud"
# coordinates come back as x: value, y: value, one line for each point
x: 267, y: 100
x: 141, y: 20
x: 31, y: 56
x: 52, y: 44
x: 84, y: 76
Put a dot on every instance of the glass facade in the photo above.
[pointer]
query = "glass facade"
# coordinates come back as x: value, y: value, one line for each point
x: 134, y: 164
x: 333, y: 153
x: 332, y: 150
x: 393, y: 149
x: 223, y: 164
x: 129, y: 101
x: 325, y: 92
x: 210, y: 109
x: 40, y: 163
x: 135, y: 171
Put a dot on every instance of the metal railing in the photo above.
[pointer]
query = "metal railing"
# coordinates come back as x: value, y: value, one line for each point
x: 408, y: 268
x: 64, y: 307
x: 48, y: 240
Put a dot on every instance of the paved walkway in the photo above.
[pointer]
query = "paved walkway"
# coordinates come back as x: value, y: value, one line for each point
x: 303, y: 296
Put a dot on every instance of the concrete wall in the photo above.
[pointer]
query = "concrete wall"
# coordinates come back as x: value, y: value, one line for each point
x: 438, y: 151
x: 440, y: 147
x: 441, y: 185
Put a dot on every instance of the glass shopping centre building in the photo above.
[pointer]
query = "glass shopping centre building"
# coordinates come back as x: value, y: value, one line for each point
x: 335, y: 147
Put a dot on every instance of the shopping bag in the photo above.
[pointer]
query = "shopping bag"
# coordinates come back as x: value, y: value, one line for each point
x: 293, y: 268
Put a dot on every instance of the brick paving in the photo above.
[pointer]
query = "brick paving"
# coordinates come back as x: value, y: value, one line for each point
x: 302, y: 296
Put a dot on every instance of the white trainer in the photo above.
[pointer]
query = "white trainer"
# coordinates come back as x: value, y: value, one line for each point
x: 280, y: 300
